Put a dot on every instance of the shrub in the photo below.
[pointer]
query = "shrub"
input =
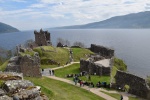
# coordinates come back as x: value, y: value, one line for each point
x: 120, y: 65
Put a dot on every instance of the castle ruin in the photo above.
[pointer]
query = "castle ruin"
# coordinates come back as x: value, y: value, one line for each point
x: 28, y: 65
x: 42, y: 38
x: 102, y: 51
x: 138, y: 86
x: 99, y: 64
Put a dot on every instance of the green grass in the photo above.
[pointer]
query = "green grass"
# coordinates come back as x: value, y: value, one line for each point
x: 148, y: 80
x: 3, y: 66
x: 117, y: 96
x: 60, y: 55
x: 74, y: 69
x: 80, y: 53
x: 114, y: 95
x: 31, y: 53
x: 48, y: 66
x: 133, y: 98
x: 120, y: 65
x: 57, y: 90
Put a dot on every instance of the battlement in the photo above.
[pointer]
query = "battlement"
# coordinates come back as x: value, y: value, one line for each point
x: 42, y: 38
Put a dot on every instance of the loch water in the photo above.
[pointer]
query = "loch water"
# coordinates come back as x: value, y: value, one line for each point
x: 131, y: 45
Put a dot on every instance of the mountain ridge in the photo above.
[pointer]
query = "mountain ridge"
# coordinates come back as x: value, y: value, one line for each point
x: 133, y: 20
x: 5, y: 28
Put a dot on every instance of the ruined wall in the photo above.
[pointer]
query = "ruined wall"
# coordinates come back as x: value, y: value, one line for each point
x: 138, y: 85
x: 14, y: 64
x: 30, y: 66
x: 92, y: 68
x: 103, y: 51
x: 42, y: 38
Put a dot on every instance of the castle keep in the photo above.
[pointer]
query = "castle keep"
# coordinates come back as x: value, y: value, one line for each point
x: 42, y: 38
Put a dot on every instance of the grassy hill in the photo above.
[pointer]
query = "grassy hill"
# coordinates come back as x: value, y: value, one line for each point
x: 59, y: 55
x: 80, y: 53
x: 57, y: 90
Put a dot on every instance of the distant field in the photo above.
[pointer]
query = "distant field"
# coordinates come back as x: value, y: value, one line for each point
x: 57, y: 90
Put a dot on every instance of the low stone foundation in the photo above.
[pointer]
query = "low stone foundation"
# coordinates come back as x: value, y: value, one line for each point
x: 93, y: 68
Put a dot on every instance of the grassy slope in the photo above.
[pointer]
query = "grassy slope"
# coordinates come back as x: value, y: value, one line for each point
x: 57, y: 90
x: 118, y: 65
x: 80, y: 53
x: 117, y: 96
x: 61, y: 55
x: 74, y: 69
x: 31, y: 53
x: 3, y: 66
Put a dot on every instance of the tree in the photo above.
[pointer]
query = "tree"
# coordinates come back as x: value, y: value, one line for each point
x: 28, y: 43
x: 67, y: 43
x: 80, y: 44
x: 63, y: 42
x: 148, y: 80
x: 60, y: 40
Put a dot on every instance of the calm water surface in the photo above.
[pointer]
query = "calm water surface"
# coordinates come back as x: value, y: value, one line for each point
x: 133, y: 46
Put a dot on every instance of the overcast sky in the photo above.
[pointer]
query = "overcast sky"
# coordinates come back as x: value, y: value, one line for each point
x: 35, y: 14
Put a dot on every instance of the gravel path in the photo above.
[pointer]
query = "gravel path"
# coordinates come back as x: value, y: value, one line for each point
x: 96, y: 91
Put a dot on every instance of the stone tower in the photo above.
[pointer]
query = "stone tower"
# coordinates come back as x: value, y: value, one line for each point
x: 42, y: 38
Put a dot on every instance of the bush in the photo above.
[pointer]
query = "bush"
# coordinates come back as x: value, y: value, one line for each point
x: 120, y: 65
x: 79, y: 44
x: 148, y: 80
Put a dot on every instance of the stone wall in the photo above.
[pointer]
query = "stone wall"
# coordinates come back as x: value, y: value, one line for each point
x: 42, y: 38
x: 138, y: 85
x: 92, y: 68
x: 14, y: 64
x: 29, y: 66
x: 103, y: 51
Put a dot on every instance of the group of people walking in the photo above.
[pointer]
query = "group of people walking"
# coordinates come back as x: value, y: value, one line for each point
x: 51, y: 72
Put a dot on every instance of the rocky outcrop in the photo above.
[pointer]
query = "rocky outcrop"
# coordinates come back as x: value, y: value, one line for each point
x: 138, y: 85
x: 12, y: 85
x: 19, y: 89
x: 92, y: 68
x: 11, y: 76
x: 5, y: 97
x: 103, y: 51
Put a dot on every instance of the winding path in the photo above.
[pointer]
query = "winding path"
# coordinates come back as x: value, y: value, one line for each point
x: 96, y: 91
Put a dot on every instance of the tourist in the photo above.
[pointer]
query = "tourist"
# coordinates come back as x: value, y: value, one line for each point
x: 50, y: 72
x: 81, y: 83
x: 53, y: 72
x: 121, y: 97
x: 42, y: 70
x: 89, y: 78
